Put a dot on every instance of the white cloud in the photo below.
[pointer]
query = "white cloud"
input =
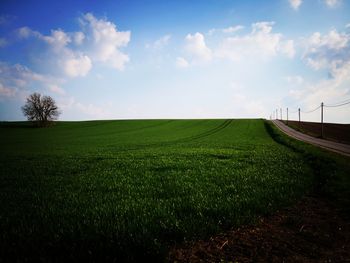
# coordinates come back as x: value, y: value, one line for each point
x: 26, y: 32
x: 75, y: 53
x: 287, y: 48
x: 333, y: 3
x: 330, y: 51
x: 79, y: 38
x: 107, y: 41
x: 310, y: 95
x: 196, y: 47
x: 18, y: 80
x: 160, y: 43
x: 295, y: 4
x: 77, y: 66
x: 6, y: 92
x: 181, y: 62
x: 260, y: 43
x: 71, y: 62
x: 56, y: 89
x: 58, y: 39
x: 232, y: 29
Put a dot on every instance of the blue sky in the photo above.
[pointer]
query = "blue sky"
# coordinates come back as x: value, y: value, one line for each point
x: 176, y: 59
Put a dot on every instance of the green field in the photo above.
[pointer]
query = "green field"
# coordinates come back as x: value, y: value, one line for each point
x: 128, y: 190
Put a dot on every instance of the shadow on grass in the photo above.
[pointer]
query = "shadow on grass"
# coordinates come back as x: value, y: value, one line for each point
x: 331, y: 170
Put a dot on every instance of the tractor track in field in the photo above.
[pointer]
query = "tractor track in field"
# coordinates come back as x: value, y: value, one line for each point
x: 315, y: 229
x: 205, y: 134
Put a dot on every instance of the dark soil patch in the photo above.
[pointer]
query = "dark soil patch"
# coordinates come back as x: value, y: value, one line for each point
x: 313, y: 230
x: 331, y: 131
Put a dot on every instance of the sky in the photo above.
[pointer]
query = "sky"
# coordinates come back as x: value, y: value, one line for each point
x: 177, y: 59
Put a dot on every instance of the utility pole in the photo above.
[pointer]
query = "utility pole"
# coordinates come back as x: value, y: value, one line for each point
x: 299, y: 117
x: 287, y: 115
x: 276, y: 114
x: 322, y: 120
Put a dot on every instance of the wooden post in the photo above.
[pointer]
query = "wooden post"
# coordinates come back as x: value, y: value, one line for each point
x: 287, y: 116
x: 322, y: 120
x: 299, y: 117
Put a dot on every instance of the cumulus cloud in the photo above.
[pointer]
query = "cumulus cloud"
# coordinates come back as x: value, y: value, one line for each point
x: 6, y: 92
x: 75, y: 53
x: 310, y: 95
x: 295, y: 4
x: 227, y: 30
x: 107, y: 41
x: 58, y: 39
x: 79, y: 38
x: 260, y: 43
x: 79, y: 65
x: 160, y: 43
x: 232, y: 29
x: 56, y: 89
x: 330, y: 51
x: 195, y: 46
x: 333, y: 3
x: 181, y: 62
x: 16, y: 80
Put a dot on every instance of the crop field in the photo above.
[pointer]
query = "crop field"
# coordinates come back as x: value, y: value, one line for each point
x: 127, y: 190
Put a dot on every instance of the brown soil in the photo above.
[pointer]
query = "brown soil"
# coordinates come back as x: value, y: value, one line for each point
x: 331, y: 131
x: 311, y: 231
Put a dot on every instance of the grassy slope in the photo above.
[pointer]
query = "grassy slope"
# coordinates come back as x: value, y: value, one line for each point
x: 331, y: 170
x: 128, y: 188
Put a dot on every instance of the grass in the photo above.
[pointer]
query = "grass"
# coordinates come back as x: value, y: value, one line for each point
x: 127, y: 190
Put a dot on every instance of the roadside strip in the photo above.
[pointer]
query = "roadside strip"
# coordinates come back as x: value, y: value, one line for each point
x: 341, y: 148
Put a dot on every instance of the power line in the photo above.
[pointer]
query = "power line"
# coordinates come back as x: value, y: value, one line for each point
x: 294, y: 111
x: 342, y: 104
x: 311, y: 110
x: 339, y: 104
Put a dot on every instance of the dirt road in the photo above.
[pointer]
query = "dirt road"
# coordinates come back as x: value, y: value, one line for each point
x: 329, y: 145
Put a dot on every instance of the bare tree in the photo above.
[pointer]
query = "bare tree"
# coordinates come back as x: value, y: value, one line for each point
x: 40, y: 109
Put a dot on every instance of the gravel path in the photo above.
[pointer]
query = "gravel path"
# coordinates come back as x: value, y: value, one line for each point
x: 329, y: 145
